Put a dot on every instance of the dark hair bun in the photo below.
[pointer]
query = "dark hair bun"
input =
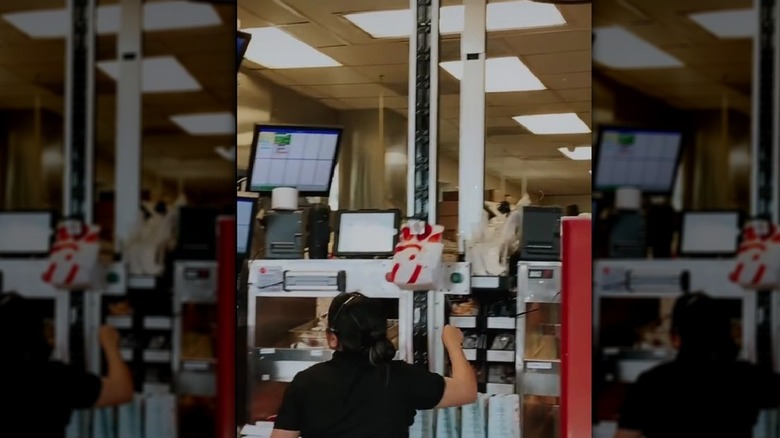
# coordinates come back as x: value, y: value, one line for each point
x: 382, y: 351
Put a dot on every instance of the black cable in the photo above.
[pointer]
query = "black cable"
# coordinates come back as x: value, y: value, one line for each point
x: 527, y: 312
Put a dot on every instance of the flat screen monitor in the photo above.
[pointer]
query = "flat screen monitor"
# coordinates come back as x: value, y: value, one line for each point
x: 646, y: 159
x: 242, y: 44
x: 299, y: 157
x: 26, y: 233
x: 366, y: 233
x: 246, y: 211
x: 710, y: 233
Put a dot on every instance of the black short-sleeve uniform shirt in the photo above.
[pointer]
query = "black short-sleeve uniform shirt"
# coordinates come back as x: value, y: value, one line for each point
x: 683, y: 400
x: 347, y: 397
x: 39, y: 400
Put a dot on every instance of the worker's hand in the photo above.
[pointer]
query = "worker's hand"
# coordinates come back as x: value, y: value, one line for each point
x: 452, y: 337
x: 109, y: 338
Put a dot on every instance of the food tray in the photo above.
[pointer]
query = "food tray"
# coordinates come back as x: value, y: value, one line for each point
x: 311, y: 335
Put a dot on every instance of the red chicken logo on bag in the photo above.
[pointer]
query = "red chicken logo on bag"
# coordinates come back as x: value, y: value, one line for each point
x: 758, y: 259
x: 417, y: 258
x: 74, y: 256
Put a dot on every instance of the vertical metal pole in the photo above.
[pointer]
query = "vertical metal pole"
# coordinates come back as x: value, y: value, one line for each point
x: 79, y: 110
x: 128, y: 121
x: 422, y: 179
x: 764, y: 157
x: 471, y: 167
x: 765, y: 166
x: 78, y: 180
x: 421, y: 172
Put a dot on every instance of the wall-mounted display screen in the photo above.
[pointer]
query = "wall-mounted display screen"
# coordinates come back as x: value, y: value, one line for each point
x: 642, y: 158
x: 299, y: 157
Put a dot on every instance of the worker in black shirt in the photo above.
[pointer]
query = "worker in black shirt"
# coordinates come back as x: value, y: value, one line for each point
x: 362, y: 392
x: 706, y: 391
x: 38, y: 395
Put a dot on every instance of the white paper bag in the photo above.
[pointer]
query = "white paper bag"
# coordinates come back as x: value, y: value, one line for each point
x: 504, y: 416
x: 758, y: 260
x: 423, y: 422
x: 448, y: 423
x: 74, y: 256
x: 474, y: 418
x: 418, y: 257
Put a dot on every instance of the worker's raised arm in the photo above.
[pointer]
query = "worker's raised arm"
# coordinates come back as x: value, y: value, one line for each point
x: 461, y: 388
x: 117, y: 386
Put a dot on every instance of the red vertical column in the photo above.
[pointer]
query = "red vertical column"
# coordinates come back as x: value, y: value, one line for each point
x: 577, y: 329
x: 226, y: 327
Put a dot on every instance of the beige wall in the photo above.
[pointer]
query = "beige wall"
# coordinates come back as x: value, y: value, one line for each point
x: 261, y: 101
x: 448, y: 173
x: 721, y: 168
x: 32, y: 163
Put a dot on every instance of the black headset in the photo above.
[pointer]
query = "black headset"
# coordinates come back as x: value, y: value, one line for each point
x: 343, y: 306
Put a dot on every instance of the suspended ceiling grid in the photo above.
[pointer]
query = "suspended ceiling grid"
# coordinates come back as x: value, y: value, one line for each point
x: 715, y: 70
x: 560, y: 57
x: 36, y: 67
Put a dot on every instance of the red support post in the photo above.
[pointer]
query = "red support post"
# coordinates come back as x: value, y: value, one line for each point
x: 226, y: 327
x: 577, y: 329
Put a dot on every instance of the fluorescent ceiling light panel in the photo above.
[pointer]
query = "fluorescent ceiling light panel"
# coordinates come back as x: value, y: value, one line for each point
x: 163, y: 74
x: 546, y: 124
x: 384, y: 24
x: 501, y: 75
x: 173, y: 15
x: 580, y: 153
x: 48, y: 23
x: 739, y: 23
x: 206, y: 123
x: 227, y: 153
x: 521, y: 15
x: 500, y: 16
x: 274, y: 48
x: 158, y: 16
x: 617, y: 48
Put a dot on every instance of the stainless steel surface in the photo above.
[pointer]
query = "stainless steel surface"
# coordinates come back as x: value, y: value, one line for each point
x: 197, y: 383
x: 537, y: 343
x: 365, y: 276
x: 542, y: 378
x: 195, y: 281
x: 539, y: 281
x: 482, y: 282
x: 195, y: 284
x: 281, y: 365
x: 705, y: 275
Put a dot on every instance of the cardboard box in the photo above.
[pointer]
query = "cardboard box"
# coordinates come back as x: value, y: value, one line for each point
x: 448, y: 208
x: 495, y: 195
x: 449, y: 222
